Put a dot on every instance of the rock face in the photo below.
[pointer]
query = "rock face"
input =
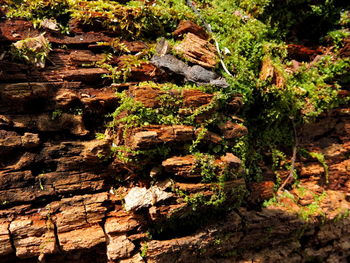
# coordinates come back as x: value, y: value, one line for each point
x: 68, y: 197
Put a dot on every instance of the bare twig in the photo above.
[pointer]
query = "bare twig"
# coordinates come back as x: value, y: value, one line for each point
x: 208, y: 28
x: 294, y: 156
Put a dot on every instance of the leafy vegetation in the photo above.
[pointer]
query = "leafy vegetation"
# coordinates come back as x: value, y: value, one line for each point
x: 33, y: 51
x: 132, y: 19
x: 306, y: 212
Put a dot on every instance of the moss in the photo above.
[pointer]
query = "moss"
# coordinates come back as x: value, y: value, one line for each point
x: 307, y: 213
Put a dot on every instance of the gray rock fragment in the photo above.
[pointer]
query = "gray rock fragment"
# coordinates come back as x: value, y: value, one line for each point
x: 138, y: 197
x: 170, y: 63
x: 196, y: 73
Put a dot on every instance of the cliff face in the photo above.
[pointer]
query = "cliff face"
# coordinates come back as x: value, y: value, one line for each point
x: 137, y: 194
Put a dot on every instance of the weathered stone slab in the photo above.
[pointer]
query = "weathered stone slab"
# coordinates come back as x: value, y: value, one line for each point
x: 119, y: 247
x: 32, y: 236
x: 183, y: 166
x: 138, y: 197
x: 84, y: 238
x: 232, y: 130
x: 198, y: 51
x: 121, y: 221
x: 150, y: 136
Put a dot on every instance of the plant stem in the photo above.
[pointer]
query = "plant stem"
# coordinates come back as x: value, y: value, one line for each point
x: 294, y: 156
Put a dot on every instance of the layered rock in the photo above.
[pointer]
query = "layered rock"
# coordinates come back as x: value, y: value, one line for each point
x: 67, y: 197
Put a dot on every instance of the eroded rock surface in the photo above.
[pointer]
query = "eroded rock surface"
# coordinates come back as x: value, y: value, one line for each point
x: 66, y: 197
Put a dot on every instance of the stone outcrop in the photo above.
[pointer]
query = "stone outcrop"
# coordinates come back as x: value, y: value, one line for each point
x: 68, y: 197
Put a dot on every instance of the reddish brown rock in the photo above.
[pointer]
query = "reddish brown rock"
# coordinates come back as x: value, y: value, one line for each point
x: 81, y: 238
x: 119, y: 247
x: 148, y: 136
x: 96, y: 150
x: 311, y: 169
x: 187, y: 166
x: 207, y: 189
x: 183, y: 166
x: 151, y: 96
x: 235, y: 104
x: 81, y: 57
x: 232, y: 130
x: 145, y: 139
x: 198, y: 51
x: 230, y: 161
x: 121, y: 221
x: 271, y: 73
x: 30, y: 140
x: 24, y: 161
x: 21, y: 92
x: 135, y: 259
x: 135, y: 46
x: 131, y: 46
x: 104, y: 97
x: 21, y: 186
x: 78, y: 39
x: 79, y: 211
x: 9, y: 140
x: 14, y: 30
x: 187, y: 26
x: 262, y: 191
x: 33, y: 236
x: 30, y: 92
x: 146, y: 72
x: 195, y: 98
x: 85, y: 75
x: 188, y: 248
x: 209, y: 136
x: 44, y: 123
x: 147, y: 95
x: 64, y: 97
x: 303, y: 53
x: 163, y: 212
x: 12, y: 70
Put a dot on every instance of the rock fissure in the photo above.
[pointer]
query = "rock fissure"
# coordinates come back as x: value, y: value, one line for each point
x: 11, y: 240
x: 57, y: 241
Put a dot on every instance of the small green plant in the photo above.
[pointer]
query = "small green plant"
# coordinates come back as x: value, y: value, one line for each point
x: 313, y: 209
x: 206, y: 165
x: 100, y: 136
x: 40, y: 182
x: 337, y: 37
x: 123, y: 71
x: 199, y: 138
x: 37, y: 11
x: 56, y: 114
x: 144, y: 250
x: 33, y: 50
